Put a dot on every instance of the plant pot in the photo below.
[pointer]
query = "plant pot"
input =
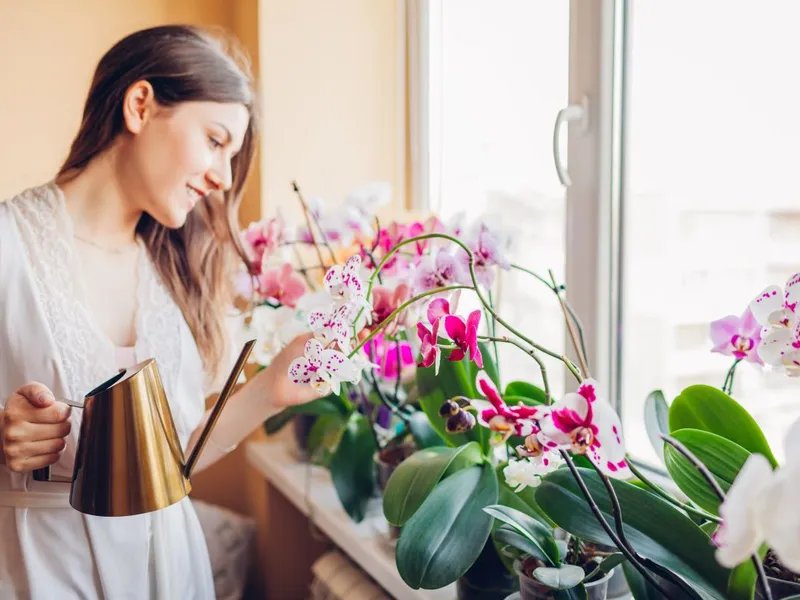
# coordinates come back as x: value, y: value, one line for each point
x: 530, y: 589
x: 779, y: 588
x: 487, y: 578
x: 386, y: 461
x: 302, y: 425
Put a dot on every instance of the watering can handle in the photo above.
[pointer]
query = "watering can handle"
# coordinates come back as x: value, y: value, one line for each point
x: 44, y: 474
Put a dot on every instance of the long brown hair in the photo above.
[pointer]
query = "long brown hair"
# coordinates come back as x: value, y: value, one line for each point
x: 182, y: 63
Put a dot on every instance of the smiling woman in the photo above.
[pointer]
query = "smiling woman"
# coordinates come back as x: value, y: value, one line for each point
x: 126, y: 256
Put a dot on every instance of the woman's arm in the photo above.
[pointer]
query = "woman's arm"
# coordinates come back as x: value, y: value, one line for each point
x: 267, y: 393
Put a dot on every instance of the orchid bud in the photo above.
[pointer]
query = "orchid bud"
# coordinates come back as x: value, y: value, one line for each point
x: 448, y: 409
x: 460, y: 422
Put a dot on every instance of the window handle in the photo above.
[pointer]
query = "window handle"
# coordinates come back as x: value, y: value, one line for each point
x: 572, y: 113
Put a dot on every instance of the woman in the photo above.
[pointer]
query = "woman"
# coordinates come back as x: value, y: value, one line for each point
x: 123, y: 257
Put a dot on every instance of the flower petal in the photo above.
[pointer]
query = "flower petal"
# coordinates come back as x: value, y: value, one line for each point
x: 774, y: 344
x: 312, y: 350
x: 489, y: 391
x: 456, y: 329
x: 766, y: 303
x: 742, y: 531
x: 792, y: 293
x: 608, y: 451
x: 722, y: 330
x: 438, y: 309
x: 299, y: 371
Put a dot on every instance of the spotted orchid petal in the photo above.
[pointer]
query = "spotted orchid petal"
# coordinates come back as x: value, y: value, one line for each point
x: 562, y: 418
x: 342, y: 282
x: 608, y: 451
x: 767, y: 305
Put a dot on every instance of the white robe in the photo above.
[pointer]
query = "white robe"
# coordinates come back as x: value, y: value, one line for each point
x: 48, y: 550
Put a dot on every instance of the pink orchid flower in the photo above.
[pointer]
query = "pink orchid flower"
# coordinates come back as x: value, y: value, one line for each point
x: 262, y: 238
x: 324, y: 369
x: 776, y: 310
x: 281, y: 284
x: 344, y: 284
x: 429, y: 338
x: 385, y: 354
x: 586, y: 424
x: 385, y: 301
x: 439, y: 270
x: 496, y: 415
x: 737, y: 336
x: 465, y: 336
x: 487, y: 250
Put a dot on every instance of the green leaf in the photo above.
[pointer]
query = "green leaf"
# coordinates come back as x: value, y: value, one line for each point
x: 655, y: 528
x: 451, y: 381
x: 605, y: 565
x: 530, y: 528
x: 445, y: 536
x: 707, y: 408
x: 722, y: 457
x: 709, y: 527
x: 641, y: 589
x: 415, y: 478
x: 656, y: 420
x: 559, y: 578
x: 352, y: 467
x: 743, y: 579
x: 523, y: 389
x: 324, y: 437
x: 425, y: 436
x: 508, y: 536
x: 331, y: 404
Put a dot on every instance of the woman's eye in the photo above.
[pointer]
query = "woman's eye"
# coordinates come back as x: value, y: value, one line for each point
x: 214, y: 143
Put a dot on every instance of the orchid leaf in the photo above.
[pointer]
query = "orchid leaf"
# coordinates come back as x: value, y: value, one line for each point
x: 445, y: 536
x: 524, y: 390
x: 709, y: 409
x: 560, y: 578
x: 414, y: 478
x: 656, y: 420
x: 655, y: 528
x: 352, y: 467
x: 331, y: 404
x: 530, y: 528
x: 425, y: 435
x: 722, y: 457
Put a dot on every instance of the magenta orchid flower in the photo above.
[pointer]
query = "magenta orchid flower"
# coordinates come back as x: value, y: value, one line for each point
x: 737, y: 336
x: 343, y: 282
x: 324, y: 369
x: 280, y: 284
x: 464, y: 335
x: 497, y: 416
x: 586, y: 424
x: 429, y: 338
x: 776, y: 310
x: 385, y: 353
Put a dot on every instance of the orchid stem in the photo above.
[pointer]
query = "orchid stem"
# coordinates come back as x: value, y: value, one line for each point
x: 659, y: 491
x: 399, y: 369
x: 492, y: 325
x: 606, y: 527
x: 579, y: 349
x: 529, y: 351
x: 306, y: 212
x: 616, y: 509
x: 720, y: 493
x: 727, y: 387
x: 400, y: 309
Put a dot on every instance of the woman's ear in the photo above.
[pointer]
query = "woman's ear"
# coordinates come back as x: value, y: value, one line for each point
x: 138, y: 105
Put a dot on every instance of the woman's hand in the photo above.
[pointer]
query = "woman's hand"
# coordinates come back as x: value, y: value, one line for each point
x: 35, y: 426
x: 283, y: 391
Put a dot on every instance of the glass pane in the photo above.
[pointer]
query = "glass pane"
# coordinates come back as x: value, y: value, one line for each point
x: 711, y: 209
x: 498, y: 76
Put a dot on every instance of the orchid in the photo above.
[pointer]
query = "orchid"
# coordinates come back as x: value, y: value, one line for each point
x: 386, y: 354
x: 496, y: 415
x: 488, y: 252
x: 761, y: 507
x: 737, y: 336
x: 464, y: 335
x: 262, y: 238
x: 324, y: 369
x: 439, y: 270
x: 776, y: 311
x: 281, y: 285
x: 333, y: 324
x: 385, y: 301
x: 524, y: 473
x: 586, y: 424
x: 344, y: 284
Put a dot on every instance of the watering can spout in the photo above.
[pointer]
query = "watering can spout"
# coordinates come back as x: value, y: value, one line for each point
x: 226, y: 392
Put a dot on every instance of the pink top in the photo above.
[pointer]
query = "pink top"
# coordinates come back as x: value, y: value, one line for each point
x: 126, y: 356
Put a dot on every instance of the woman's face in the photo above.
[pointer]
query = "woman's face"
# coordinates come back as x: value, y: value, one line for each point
x: 178, y: 155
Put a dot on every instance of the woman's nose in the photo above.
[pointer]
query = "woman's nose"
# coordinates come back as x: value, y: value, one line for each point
x: 220, y: 177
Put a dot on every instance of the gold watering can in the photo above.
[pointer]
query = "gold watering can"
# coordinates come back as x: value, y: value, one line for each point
x: 129, y: 459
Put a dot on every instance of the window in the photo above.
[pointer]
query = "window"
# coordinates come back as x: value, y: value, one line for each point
x: 681, y: 206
